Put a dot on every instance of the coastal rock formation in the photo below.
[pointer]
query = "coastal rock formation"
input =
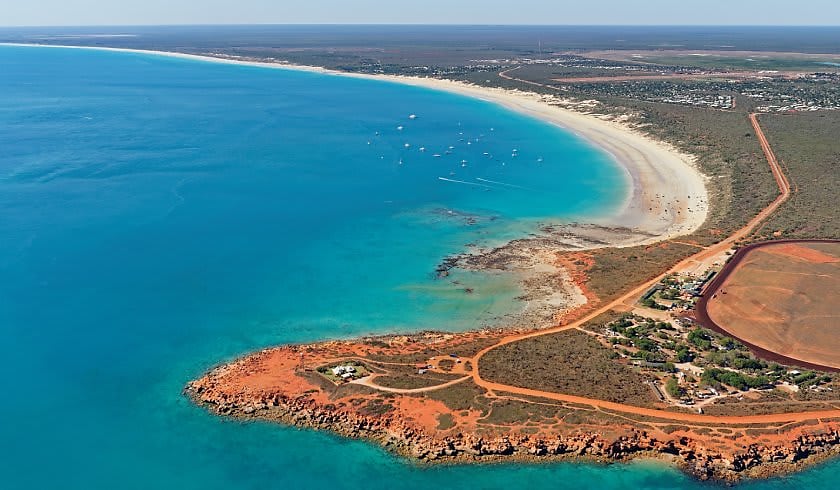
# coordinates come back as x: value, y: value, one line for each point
x: 250, y: 388
x: 549, y: 288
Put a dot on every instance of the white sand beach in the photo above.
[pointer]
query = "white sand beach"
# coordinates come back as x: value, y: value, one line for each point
x: 667, y: 196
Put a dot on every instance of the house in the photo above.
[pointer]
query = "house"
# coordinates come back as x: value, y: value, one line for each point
x: 342, y: 370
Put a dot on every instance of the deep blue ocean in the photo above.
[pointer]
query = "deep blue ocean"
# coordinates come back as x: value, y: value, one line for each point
x: 159, y: 216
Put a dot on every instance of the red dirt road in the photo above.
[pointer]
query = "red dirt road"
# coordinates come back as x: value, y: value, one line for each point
x: 630, y: 299
x: 740, y: 75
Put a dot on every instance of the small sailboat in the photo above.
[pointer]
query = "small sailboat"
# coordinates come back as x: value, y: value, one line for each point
x: 436, y: 155
x: 463, y: 163
x: 422, y: 148
x: 407, y: 145
x: 412, y: 116
x: 399, y: 128
x: 540, y: 160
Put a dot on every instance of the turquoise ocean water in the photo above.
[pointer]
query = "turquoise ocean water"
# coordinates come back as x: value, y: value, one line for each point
x: 158, y: 216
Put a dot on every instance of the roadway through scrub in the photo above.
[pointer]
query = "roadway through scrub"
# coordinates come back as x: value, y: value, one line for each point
x: 629, y: 299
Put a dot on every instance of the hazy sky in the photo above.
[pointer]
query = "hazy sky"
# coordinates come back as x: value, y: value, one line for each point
x: 717, y: 12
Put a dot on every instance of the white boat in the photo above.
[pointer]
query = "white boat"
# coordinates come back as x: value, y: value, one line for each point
x: 436, y: 155
x: 422, y: 148
x: 412, y: 116
x: 407, y: 145
x: 463, y: 163
x: 399, y: 128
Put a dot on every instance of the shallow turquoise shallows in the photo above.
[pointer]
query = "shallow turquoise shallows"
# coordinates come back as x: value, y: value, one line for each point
x: 159, y: 215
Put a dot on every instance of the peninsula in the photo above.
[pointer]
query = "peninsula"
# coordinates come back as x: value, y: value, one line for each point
x: 611, y: 374
x: 343, y: 256
x: 603, y: 368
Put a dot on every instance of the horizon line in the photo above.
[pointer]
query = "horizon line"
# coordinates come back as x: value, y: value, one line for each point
x: 396, y: 24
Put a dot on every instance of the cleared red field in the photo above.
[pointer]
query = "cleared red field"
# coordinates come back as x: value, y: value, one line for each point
x: 784, y: 298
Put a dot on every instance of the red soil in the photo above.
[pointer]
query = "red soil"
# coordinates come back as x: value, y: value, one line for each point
x: 783, y: 298
x: 283, y: 380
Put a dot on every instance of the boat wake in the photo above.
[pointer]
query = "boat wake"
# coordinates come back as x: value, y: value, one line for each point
x: 503, y: 184
x: 465, y: 182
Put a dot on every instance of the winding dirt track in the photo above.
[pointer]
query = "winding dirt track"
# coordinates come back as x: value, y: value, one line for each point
x: 631, y: 297
x: 369, y: 382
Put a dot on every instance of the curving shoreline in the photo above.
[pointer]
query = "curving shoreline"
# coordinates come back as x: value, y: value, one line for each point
x: 443, y: 429
x: 425, y: 426
x: 666, y: 196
